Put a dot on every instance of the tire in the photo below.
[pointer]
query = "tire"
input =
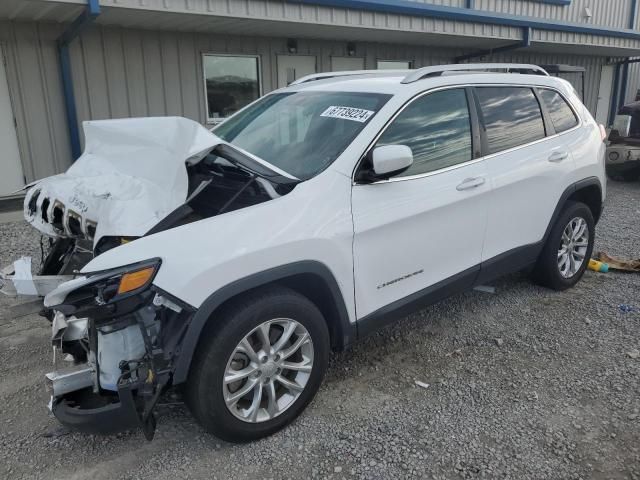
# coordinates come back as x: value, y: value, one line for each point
x: 548, y: 271
x: 219, y: 353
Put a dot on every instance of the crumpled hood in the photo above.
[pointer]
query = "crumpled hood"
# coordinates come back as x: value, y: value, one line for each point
x: 131, y: 175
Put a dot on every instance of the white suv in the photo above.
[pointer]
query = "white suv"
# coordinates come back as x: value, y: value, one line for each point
x: 231, y: 263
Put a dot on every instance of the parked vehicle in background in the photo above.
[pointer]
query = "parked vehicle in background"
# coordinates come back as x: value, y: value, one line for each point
x: 623, y: 152
x: 230, y: 263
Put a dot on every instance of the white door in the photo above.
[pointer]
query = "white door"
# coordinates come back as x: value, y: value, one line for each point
x: 11, y: 178
x: 604, y: 94
x: 343, y: 64
x: 528, y: 172
x: 293, y: 67
x: 424, y: 227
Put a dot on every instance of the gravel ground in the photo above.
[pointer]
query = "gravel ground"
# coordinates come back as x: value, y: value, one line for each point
x: 526, y: 383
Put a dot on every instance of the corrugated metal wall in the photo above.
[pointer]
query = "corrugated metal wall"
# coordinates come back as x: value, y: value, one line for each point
x: 121, y: 72
x: 634, y: 82
x: 608, y: 13
x: 36, y: 95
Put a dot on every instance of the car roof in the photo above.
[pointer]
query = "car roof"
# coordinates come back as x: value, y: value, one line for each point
x: 411, y: 81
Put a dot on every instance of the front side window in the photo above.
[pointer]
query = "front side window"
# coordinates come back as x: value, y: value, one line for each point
x: 560, y: 112
x: 512, y: 117
x: 232, y: 82
x: 301, y: 133
x: 437, y: 128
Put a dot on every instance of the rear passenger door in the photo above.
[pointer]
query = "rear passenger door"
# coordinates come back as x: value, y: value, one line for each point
x: 528, y: 163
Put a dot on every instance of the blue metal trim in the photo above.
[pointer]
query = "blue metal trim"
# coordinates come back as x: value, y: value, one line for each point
x: 72, y: 31
x: 623, y: 87
x: 524, y: 43
x: 614, y: 96
x: 406, y: 7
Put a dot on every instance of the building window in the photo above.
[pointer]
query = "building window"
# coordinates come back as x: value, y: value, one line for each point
x: 231, y: 82
x: 394, y: 64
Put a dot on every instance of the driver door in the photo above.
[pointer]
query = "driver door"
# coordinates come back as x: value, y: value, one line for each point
x: 419, y: 234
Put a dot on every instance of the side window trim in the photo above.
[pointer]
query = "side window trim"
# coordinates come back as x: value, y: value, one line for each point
x: 476, y: 137
x: 549, y: 128
x: 482, y: 128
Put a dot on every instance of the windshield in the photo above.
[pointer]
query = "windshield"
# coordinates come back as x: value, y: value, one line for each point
x: 301, y: 133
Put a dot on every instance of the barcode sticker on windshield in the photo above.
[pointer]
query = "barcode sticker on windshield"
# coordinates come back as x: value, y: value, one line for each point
x: 348, y: 113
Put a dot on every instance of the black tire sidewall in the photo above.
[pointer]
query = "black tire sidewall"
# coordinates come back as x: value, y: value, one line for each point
x: 206, y: 393
x: 548, y: 272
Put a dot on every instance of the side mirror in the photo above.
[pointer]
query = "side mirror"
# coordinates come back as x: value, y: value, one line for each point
x: 389, y: 160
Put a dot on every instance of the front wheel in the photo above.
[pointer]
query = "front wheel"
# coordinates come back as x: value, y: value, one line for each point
x: 566, y: 253
x: 258, y: 365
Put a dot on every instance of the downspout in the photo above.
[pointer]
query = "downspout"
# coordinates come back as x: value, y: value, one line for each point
x: 89, y: 14
x: 524, y: 43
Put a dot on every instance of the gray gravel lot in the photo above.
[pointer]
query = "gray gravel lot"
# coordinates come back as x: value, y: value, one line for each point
x: 526, y: 383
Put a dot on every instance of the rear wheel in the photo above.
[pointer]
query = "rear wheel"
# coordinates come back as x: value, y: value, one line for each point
x: 258, y: 365
x: 566, y: 254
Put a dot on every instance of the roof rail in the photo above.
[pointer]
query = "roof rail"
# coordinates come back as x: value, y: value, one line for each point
x: 323, y: 76
x: 438, y: 70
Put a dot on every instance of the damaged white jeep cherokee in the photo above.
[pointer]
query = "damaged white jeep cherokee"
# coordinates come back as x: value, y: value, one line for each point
x: 228, y: 264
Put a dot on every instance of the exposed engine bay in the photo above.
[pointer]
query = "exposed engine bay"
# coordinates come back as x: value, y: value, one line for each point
x: 118, y: 334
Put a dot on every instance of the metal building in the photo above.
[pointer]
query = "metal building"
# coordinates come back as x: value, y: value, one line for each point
x: 66, y: 61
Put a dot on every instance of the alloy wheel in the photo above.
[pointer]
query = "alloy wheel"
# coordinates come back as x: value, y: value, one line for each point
x: 268, y: 370
x: 573, y: 247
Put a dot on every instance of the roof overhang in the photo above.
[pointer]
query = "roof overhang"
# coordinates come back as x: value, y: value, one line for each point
x: 464, y: 29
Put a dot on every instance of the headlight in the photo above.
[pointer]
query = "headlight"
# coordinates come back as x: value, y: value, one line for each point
x: 103, y: 288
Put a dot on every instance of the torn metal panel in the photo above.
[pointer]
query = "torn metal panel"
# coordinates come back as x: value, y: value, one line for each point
x: 71, y: 379
x: 17, y: 279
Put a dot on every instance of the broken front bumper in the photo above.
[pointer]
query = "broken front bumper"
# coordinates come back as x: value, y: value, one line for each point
x: 87, y: 412
x: 124, y: 352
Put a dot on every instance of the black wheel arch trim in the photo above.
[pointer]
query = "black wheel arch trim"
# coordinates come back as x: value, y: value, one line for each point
x: 346, y: 331
x: 579, y: 185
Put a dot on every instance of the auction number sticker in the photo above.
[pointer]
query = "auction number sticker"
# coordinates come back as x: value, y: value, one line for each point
x: 348, y: 113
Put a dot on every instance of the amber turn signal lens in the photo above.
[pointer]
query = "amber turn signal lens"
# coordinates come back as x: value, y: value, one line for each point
x: 134, y: 280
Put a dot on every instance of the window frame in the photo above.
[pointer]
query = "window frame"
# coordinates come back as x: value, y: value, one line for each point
x: 217, y: 120
x: 478, y: 140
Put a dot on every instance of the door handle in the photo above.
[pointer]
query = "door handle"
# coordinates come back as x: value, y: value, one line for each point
x: 558, y: 156
x: 470, y: 183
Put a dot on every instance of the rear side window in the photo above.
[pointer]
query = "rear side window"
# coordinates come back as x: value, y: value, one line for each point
x: 560, y: 112
x: 512, y: 117
x: 437, y: 128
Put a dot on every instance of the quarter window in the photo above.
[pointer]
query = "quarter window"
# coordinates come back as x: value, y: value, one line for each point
x: 560, y: 112
x: 232, y: 82
x: 511, y: 116
x: 437, y: 128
